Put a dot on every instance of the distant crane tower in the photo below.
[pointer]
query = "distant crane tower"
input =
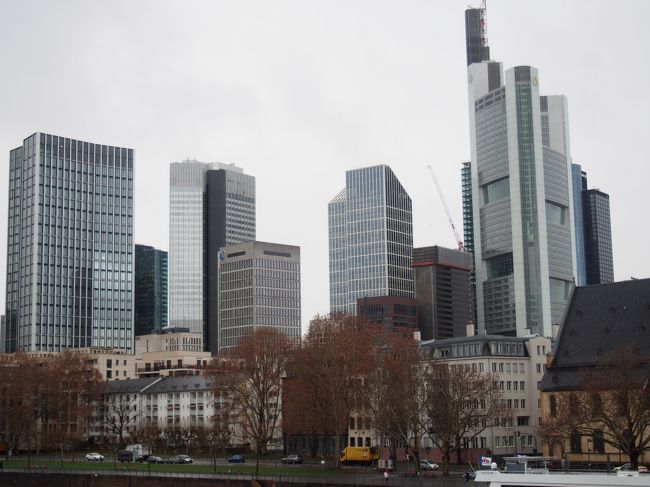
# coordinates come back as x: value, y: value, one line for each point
x: 459, y: 242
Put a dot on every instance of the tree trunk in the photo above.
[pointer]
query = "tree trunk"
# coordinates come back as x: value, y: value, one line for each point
x: 634, y: 459
x: 446, y: 453
x: 337, y: 449
x: 416, y: 454
x: 459, y: 452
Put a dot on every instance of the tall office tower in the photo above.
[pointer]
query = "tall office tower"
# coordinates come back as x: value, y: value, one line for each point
x: 150, y: 290
x: 259, y: 287
x: 70, y: 245
x: 579, y: 182
x: 599, y: 261
x: 593, y: 231
x: 443, y: 291
x: 370, y: 239
x: 210, y: 205
x: 522, y: 201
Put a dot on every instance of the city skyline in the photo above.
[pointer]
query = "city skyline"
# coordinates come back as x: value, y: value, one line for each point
x: 390, y: 88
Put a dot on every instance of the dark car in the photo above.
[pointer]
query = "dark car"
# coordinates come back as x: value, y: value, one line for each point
x: 125, y: 456
x: 179, y: 459
x: 236, y: 459
x: 291, y: 459
x: 154, y: 459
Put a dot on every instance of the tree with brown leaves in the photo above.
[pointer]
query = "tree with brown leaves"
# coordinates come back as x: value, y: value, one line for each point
x: 398, y: 393
x: 18, y: 374
x: 251, y: 376
x: 329, y: 376
x: 74, y: 384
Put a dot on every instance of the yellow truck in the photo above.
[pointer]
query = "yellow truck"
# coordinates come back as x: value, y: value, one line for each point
x: 359, y: 455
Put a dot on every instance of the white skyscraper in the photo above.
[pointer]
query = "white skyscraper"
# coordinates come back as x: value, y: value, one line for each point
x: 210, y: 205
x: 522, y: 200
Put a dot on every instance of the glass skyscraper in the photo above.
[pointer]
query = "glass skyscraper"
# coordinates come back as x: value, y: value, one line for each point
x: 522, y: 201
x: 211, y: 205
x: 370, y: 239
x: 70, y: 245
x: 599, y: 260
x: 150, y: 291
x: 593, y: 230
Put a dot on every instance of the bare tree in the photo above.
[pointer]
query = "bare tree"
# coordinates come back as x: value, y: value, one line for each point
x: 120, y: 415
x: 612, y: 402
x: 461, y: 403
x: 399, y: 399
x: 252, y: 376
x: 219, y: 434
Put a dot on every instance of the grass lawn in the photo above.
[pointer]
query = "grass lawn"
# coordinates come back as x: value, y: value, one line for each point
x: 247, y: 469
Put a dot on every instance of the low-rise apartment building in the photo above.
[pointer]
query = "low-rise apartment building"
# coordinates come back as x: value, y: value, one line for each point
x: 172, y: 352
x: 517, y: 364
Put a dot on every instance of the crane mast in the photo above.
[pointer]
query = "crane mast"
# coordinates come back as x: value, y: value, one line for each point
x: 459, y: 241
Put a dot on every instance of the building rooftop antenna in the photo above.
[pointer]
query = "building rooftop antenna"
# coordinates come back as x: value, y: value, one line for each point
x: 483, y: 16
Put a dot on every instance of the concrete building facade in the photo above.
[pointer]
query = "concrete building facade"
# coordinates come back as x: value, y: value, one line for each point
x: 172, y: 352
x: 518, y: 364
x: 259, y: 286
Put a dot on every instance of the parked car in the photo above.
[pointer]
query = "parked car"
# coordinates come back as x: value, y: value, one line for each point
x: 628, y: 466
x: 95, y: 457
x: 291, y: 459
x: 180, y: 459
x: 236, y: 459
x: 184, y: 459
x: 154, y: 459
x: 427, y: 465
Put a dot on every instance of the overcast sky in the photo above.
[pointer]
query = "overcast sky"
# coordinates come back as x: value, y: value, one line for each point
x: 298, y: 92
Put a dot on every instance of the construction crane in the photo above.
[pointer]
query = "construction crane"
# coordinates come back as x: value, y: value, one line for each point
x: 459, y: 242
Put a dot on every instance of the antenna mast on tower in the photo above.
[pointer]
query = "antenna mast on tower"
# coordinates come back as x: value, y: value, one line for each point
x: 483, y: 17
